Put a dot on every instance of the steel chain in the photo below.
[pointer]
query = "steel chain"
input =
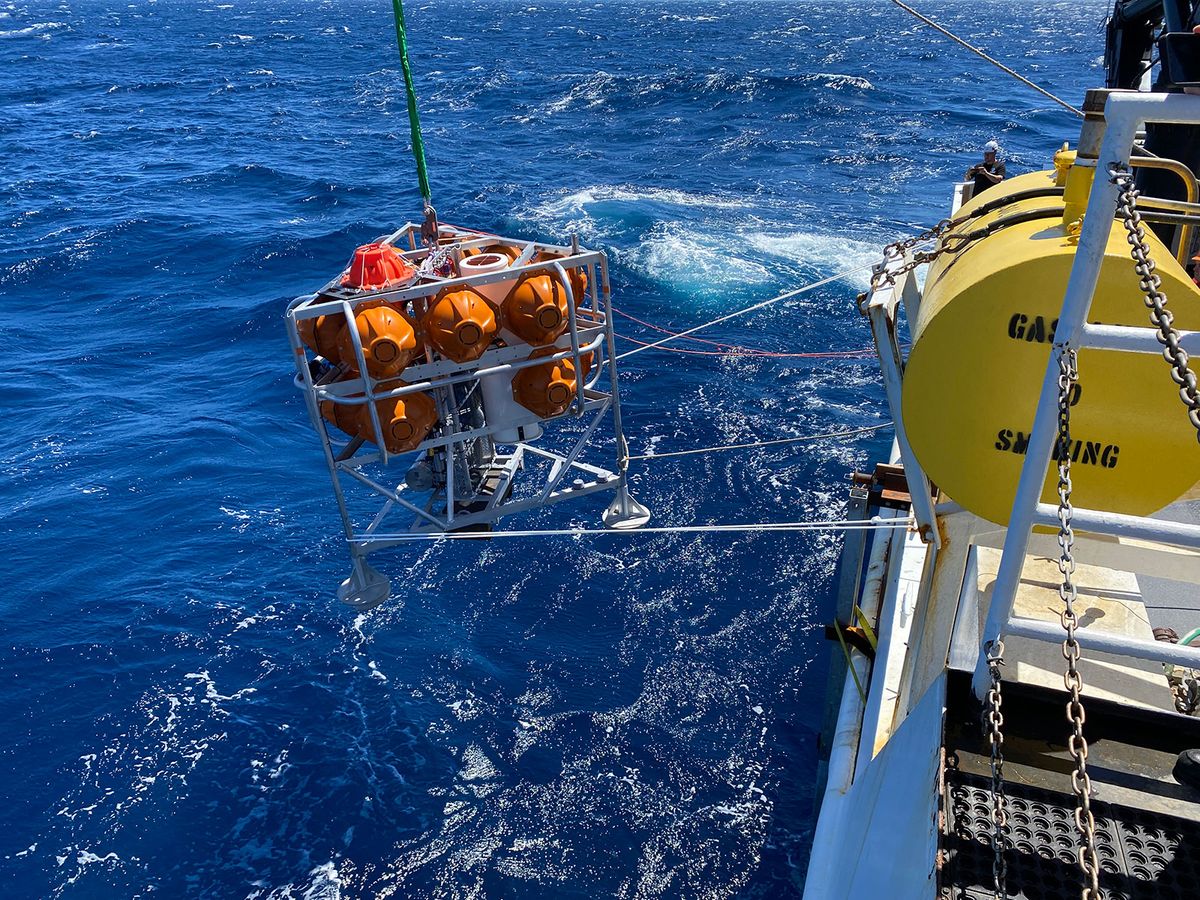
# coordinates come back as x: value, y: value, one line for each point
x: 994, y: 731
x: 896, y: 250
x: 1156, y: 300
x: 1076, y: 743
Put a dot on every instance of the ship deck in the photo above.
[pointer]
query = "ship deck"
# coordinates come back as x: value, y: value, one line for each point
x: 1148, y: 826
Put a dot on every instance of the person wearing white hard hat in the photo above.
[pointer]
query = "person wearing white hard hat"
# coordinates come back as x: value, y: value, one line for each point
x: 989, y: 172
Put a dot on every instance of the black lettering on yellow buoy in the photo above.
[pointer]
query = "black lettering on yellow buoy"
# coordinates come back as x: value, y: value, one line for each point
x: 1020, y: 328
x: 1016, y: 326
x: 1088, y: 453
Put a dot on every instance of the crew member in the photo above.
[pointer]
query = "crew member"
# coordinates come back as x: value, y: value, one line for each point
x: 988, y: 172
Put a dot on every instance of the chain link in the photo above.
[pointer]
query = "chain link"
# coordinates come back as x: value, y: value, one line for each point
x: 1081, y: 783
x: 994, y: 732
x: 896, y: 250
x: 1156, y: 300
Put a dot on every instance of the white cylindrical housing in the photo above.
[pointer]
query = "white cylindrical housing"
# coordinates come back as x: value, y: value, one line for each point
x: 485, y: 264
x: 501, y: 409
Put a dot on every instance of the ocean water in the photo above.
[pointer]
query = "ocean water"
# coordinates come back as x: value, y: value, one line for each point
x: 188, y: 712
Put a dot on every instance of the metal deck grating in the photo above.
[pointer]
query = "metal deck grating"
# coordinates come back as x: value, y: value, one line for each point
x: 1143, y: 855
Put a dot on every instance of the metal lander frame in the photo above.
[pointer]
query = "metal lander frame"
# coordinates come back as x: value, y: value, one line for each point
x: 467, y: 483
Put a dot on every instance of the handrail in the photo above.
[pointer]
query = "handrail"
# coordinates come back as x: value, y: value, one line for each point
x: 1189, y: 183
x: 1106, y: 642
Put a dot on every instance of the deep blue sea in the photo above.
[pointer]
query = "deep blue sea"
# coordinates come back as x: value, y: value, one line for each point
x: 187, y: 711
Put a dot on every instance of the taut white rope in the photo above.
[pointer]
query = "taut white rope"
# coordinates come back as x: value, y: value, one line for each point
x: 741, y: 312
x: 873, y: 524
x: 794, y: 440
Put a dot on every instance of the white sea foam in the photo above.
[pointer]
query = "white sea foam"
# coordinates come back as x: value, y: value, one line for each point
x: 692, y: 260
x: 578, y: 201
x: 837, y: 80
x: 39, y: 28
x: 822, y: 251
x: 588, y: 93
x: 700, y: 244
x: 323, y: 883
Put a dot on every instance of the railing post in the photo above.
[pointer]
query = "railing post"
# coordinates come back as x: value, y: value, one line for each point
x: 881, y: 313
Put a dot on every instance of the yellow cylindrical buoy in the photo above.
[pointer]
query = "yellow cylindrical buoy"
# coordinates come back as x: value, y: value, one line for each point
x: 460, y: 324
x: 389, y: 338
x: 981, y: 343
x: 535, y: 310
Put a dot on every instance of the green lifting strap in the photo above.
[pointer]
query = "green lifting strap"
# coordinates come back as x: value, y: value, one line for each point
x: 414, y: 117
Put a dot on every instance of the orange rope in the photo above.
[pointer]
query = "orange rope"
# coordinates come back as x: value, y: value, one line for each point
x: 621, y: 312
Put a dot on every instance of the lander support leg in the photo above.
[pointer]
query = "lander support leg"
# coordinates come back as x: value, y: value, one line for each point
x: 366, y: 587
x: 624, y: 512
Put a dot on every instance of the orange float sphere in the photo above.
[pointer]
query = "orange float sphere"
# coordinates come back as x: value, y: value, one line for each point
x: 390, y: 341
x: 321, y: 335
x: 511, y: 253
x: 344, y: 416
x: 578, y: 277
x: 405, y: 420
x: 535, y: 310
x: 460, y: 324
x: 547, y: 389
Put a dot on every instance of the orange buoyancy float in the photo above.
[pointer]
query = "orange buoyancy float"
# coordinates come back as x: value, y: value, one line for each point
x: 321, y: 334
x: 405, y: 420
x: 343, y: 415
x: 548, y: 389
x: 577, y: 276
x: 460, y: 324
x: 535, y: 310
x: 390, y: 341
x: 512, y: 253
x: 377, y: 266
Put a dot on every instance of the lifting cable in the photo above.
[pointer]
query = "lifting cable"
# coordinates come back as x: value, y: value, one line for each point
x: 995, y: 62
x: 874, y: 524
x: 414, y: 117
x: 794, y: 440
